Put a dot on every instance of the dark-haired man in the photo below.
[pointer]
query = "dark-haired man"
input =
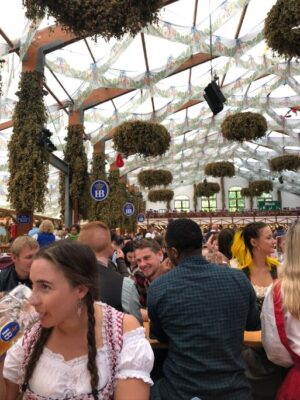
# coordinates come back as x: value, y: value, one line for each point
x: 149, y: 255
x: 201, y: 310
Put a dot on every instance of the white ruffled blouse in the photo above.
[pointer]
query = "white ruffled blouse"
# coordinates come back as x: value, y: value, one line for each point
x: 56, y: 378
x: 275, y: 350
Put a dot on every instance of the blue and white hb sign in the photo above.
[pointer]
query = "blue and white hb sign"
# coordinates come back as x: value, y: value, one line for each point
x: 99, y: 190
x: 128, y: 209
x: 141, y: 218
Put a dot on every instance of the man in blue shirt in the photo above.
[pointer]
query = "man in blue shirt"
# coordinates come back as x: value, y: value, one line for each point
x: 201, y: 310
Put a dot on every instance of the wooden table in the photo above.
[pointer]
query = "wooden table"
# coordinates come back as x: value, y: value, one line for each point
x: 252, y: 339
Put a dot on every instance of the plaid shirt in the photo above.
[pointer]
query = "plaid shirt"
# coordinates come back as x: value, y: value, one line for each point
x: 142, y: 284
x: 202, y: 310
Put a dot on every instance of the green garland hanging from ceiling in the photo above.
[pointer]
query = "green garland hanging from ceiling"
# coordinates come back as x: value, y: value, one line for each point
x: 247, y: 192
x: 257, y: 188
x: 106, y: 18
x: 281, y: 31
x: 164, y: 195
x: 220, y: 169
x: 207, y: 189
x: 152, y: 177
x: 290, y: 162
x: 148, y: 139
x: 244, y: 126
x: 28, y: 161
x: 76, y: 157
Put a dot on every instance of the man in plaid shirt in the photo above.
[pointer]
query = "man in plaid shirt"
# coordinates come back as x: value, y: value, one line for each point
x: 201, y: 310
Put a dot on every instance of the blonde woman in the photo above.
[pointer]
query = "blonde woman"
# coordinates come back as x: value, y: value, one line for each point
x: 281, y: 316
x: 45, y: 235
x: 251, y: 250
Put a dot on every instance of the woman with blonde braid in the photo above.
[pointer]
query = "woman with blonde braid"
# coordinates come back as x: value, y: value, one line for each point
x: 281, y: 317
x: 80, y: 349
x: 251, y: 250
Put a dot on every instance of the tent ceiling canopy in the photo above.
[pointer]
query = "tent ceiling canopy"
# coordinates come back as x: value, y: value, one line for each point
x: 160, y: 74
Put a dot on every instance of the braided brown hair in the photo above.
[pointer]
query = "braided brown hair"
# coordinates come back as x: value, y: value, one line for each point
x: 35, y: 355
x: 79, y: 265
x: 92, y: 349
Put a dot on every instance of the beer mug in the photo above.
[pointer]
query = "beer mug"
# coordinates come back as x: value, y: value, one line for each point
x: 16, y: 314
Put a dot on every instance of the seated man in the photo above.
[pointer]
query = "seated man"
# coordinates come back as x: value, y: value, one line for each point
x: 22, y: 250
x: 201, y: 310
x: 114, y: 289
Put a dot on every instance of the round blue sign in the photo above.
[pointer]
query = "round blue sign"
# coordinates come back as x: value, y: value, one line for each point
x: 141, y: 218
x: 128, y: 209
x: 9, y: 331
x: 99, y: 190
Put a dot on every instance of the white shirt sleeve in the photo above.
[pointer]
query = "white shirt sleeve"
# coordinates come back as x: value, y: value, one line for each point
x: 136, y: 358
x: 275, y: 350
x: 13, y: 361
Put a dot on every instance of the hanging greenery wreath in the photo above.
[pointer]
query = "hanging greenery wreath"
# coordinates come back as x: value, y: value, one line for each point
x: 281, y: 28
x: 28, y: 162
x: 97, y: 17
x: 289, y: 162
x: 246, y: 192
x: 207, y: 189
x: 244, y: 126
x: 259, y: 187
x: 76, y: 157
x: 148, y: 139
x: 161, y: 195
x: 219, y: 169
x: 152, y: 177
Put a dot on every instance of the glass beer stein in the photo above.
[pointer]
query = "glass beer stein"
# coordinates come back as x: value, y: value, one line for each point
x: 16, y: 314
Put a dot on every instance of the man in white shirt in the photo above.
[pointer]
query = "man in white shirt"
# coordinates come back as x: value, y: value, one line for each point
x: 151, y: 232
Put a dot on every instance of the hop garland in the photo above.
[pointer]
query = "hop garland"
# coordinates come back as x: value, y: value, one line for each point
x: 259, y: 187
x: 207, y: 189
x: 279, y: 33
x: 244, y: 126
x: 97, y: 17
x: 289, y: 162
x: 220, y: 169
x: 28, y: 162
x: 76, y: 157
x: 148, y: 139
x: 164, y: 195
x: 151, y: 178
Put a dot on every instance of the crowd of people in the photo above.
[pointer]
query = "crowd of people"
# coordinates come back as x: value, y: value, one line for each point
x: 94, y: 289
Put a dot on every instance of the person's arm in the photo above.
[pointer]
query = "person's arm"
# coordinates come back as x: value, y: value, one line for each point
x: 275, y: 350
x: 253, y: 319
x: 130, y: 299
x: 11, y: 390
x: 121, y: 264
x: 144, y: 313
x: 131, y: 388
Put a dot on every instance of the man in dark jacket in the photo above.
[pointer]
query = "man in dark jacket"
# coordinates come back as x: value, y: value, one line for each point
x: 114, y: 289
x: 22, y: 250
x: 201, y: 310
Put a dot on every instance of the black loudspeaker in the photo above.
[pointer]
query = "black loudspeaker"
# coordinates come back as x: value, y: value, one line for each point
x: 214, y: 97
